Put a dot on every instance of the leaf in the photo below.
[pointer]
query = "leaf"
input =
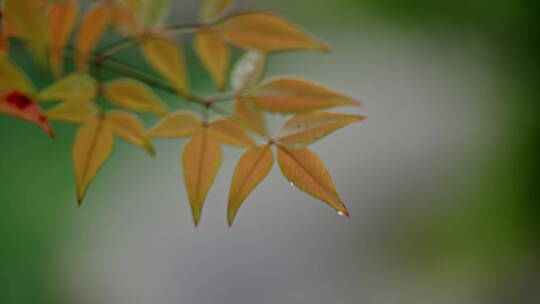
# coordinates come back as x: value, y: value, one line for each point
x: 266, y: 32
x: 4, y: 44
x: 75, y: 86
x: 214, y: 54
x: 248, y: 70
x: 61, y: 18
x: 229, y: 131
x: 306, y: 171
x: 179, y: 124
x: 166, y: 57
x: 130, y: 128
x: 294, y: 95
x: 251, y: 116
x: 27, y: 17
x: 125, y: 19
x: 252, y: 168
x: 211, y: 10
x: 19, y: 105
x: 94, y: 23
x: 156, y: 12
x: 134, y: 95
x: 12, y: 79
x: 93, y: 146
x: 201, y: 161
x: 73, y: 112
x: 304, y: 129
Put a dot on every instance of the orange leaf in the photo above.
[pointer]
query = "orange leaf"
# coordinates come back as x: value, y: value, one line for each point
x: 94, y: 23
x: 20, y: 106
x: 248, y: 70
x: 229, y: 131
x: 214, y: 54
x: 294, y: 95
x: 211, y: 10
x: 4, y: 44
x: 251, y: 116
x: 306, y: 171
x: 73, y: 112
x: 92, y: 147
x: 252, y: 168
x: 266, y: 32
x: 125, y: 19
x: 179, y: 124
x: 304, y: 129
x: 61, y: 18
x: 130, y: 128
x: 166, y: 57
x: 134, y: 95
x: 201, y: 161
x: 27, y: 17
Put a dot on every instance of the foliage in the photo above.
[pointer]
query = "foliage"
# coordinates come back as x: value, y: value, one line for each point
x: 45, y: 28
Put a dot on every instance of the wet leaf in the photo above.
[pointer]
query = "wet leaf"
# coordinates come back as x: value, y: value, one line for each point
x: 250, y: 116
x: 130, y: 128
x: 134, y: 95
x: 201, y: 161
x: 28, y: 18
x: 61, y: 18
x: 19, y: 105
x: 230, y: 132
x: 211, y: 10
x: 12, y: 79
x: 306, y: 171
x: 295, y: 95
x: 75, y: 86
x: 73, y: 112
x: 92, y: 147
x: 248, y: 70
x: 214, y: 54
x: 266, y: 32
x: 94, y: 23
x: 179, y: 124
x: 304, y: 129
x: 252, y: 168
x: 166, y: 57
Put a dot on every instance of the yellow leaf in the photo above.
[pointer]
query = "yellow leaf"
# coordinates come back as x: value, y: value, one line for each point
x: 73, y: 112
x: 134, y: 95
x: 166, y: 57
x: 252, y: 168
x: 92, y: 147
x: 211, y: 10
x: 214, y: 54
x: 61, y: 18
x: 130, y: 128
x: 306, y: 171
x: 251, y: 116
x: 248, y: 70
x: 230, y: 132
x: 19, y: 105
x: 94, y: 23
x: 12, y: 79
x: 201, y: 161
x: 179, y: 124
x: 294, y: 95
x: 155, y: 12
x: 266, y: 32
x: 304, y: 129
x: 28, y: 18
x: 75, y: 86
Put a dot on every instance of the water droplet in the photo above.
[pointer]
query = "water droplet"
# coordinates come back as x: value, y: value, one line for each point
x: 291, y: 184
x: 341, y: 213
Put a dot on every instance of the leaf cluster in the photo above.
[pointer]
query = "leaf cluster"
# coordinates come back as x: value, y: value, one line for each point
x: 56, y: 31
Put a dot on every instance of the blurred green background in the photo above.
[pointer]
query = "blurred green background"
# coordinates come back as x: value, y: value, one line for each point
x: 441, y: 180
